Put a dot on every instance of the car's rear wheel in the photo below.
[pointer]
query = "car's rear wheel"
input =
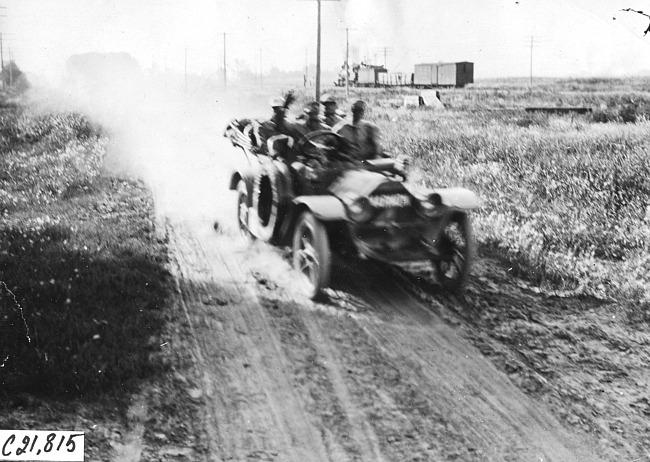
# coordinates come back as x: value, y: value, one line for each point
x: 456, y: 249
x: 312, y: 256
x: 243, y: 212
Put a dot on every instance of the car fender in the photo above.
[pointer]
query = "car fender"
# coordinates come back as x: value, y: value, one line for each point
x: 459, y: 198
x: 326, y: 208
x: 248, y: 177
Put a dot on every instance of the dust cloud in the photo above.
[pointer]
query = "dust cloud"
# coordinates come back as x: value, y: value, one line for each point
x: 165, y: 134
x: 171, y: 137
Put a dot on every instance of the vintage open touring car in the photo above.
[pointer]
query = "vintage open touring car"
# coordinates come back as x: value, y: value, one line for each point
x: 345, y: 207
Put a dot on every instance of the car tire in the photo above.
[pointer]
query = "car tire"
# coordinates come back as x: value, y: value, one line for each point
x: 243, y: 212
x: 456, y: 253
x: 312, y: 257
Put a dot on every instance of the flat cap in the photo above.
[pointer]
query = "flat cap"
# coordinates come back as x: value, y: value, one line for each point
x: 327, y: 98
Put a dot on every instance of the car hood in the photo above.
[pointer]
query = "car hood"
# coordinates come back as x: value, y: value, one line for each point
x: 353, y: 184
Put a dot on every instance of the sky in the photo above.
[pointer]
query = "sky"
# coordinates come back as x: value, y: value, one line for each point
x: 570, y: 38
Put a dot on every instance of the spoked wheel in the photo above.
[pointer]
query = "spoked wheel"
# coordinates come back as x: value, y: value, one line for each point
x: 243, y: 214
x: 456, y: 251
x: 312, y: 257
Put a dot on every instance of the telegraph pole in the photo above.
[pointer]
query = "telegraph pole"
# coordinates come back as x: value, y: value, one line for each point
x: 347, y: 63
x: 318, y: 57
x: 533, y: 42
x: 261, y: 81
x: 225, y: 72
x: 2, y: 60
x: 11, y: 68
x: 531, y: 60
x: 386, y: 51
x: 318, y: 50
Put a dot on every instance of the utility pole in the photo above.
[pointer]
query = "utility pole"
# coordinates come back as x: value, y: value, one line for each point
x: 2, y: 60
x: 318, y: 57
x: 531, y: 60
x: 347, y: 63
x: 305, y: 79
x: 225, y: 72
x: 11, y: 68
x: 261, y: 81
x: 386, y: 51
x: 318, y: 50
x: 533, y: 42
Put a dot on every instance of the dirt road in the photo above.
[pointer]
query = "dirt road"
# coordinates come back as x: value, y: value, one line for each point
x: 375, y: 373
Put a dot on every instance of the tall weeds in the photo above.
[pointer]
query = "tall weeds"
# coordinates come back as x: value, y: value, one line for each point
x: 565, y: 198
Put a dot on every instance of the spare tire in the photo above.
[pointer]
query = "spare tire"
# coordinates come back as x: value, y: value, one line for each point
x: 266, y: 203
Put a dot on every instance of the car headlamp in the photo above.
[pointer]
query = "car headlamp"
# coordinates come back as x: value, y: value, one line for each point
x: 361, y: 210
x: 430, y: 206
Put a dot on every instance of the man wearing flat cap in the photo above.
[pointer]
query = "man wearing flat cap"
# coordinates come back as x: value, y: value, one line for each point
x: 312, y: 121
x: 276, y: 128
x: 332, y: 116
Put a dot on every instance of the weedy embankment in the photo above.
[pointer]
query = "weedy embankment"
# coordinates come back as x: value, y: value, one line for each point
x: 82, y: 272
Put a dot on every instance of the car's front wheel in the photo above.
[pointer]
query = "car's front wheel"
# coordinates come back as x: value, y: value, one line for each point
x: 455, y: 253
x: 312, y: 256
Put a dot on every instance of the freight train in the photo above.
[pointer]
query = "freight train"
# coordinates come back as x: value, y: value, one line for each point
x: 427, y: 75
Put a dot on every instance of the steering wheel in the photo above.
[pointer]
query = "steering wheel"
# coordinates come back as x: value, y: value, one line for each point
x: 322, y: 144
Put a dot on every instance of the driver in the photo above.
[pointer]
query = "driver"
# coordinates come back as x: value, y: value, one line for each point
x: 362, y: 136
x: 312, y: 122
x: 331, y: 113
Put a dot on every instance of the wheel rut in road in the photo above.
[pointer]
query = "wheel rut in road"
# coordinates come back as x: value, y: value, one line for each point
x: 372, y: 375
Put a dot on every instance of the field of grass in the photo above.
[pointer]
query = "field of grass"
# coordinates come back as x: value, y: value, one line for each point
x: 82, y: 274
x: 565, y: 198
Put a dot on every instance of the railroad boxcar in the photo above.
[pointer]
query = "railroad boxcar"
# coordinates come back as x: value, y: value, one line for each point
x: 443, y: 74
x: 425, y: 75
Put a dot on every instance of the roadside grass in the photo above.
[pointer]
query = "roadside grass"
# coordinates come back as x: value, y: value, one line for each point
x: 565, y: 198
x: 83, y: 272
